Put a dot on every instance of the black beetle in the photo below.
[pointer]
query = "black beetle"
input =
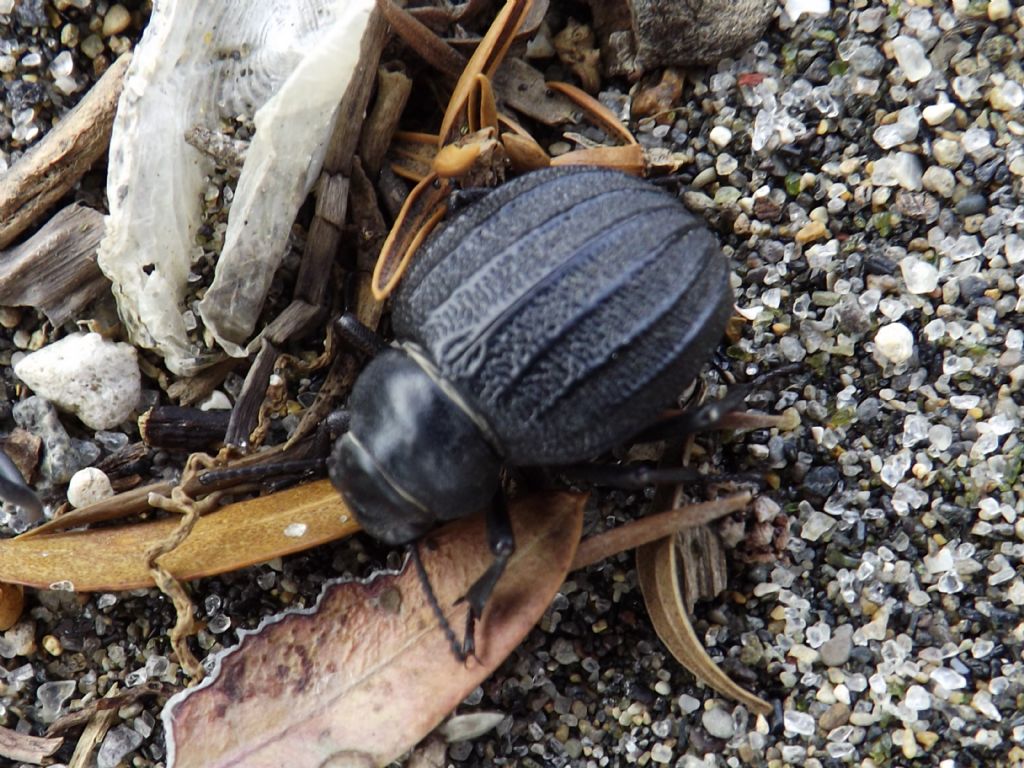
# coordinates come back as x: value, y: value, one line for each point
x: 546, y: 324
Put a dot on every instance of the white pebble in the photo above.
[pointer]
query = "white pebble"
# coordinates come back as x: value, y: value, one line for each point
x: 216, y: 401
x: 720, y: 136
x: 911, y: 57
x: 919, y: 275
x: 936, y: 114
x: 799, y: 723
x: 797, y: 8
x: 83, y: 373
x: 718, y: 723
x: 895, y: 342
x: 87, y: 486
x: 948, y: 679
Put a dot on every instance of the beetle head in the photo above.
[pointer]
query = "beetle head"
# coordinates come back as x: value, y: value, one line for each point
x: 412, y: 457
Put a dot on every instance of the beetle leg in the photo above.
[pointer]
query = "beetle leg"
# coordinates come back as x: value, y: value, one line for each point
x: 14, y: 489
x: 502, y: 543
x: 704, y: 418
x: 358, y: 336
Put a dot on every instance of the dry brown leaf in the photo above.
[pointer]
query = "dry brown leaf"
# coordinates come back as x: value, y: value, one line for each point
x: 657, y: 568
x: 237, y: 535
x: 12, y: 600
x: 370, y: 673
x: 22, y: 748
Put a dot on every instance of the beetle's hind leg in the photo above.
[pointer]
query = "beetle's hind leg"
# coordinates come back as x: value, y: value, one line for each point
x: 717, y: 414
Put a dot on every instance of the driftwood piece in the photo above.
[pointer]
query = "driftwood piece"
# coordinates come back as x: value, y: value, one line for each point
x: 393, y: 89
x: 245, y: 414
x: 55, y: 270
x: 325, y: 232
x: 371, y: 229
x: 183, y: 429
x: 47, y: 171
x: 22, y: 748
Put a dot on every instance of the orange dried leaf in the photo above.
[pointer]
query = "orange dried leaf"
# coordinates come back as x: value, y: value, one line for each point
x: 370, y: 673
x: 484, y: 61
x: 235, y: 536
x: 423, y: 208
x: 628, y: 158
x: 12, y: 600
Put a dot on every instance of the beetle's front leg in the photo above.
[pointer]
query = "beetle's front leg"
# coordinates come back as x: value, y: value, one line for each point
x: 502, y: 543
x: 359, y: 336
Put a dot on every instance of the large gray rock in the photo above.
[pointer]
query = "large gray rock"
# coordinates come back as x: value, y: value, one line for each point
x: 677, y: 32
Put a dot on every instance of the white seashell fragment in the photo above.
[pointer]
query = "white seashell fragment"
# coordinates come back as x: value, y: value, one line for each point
x: 285, y: 64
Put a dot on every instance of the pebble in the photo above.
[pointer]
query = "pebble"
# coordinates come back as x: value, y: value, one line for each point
x: 911, y: 58
x: 84, y: 374
x: 936, y: 114
x: 836, y: 651
x: 116, y: 21
x: 720, y: 136
x: 919, y: 276
x: 939, y: 180
x: 718, y: 723
x: 87, y: 486
x: 894, y: 342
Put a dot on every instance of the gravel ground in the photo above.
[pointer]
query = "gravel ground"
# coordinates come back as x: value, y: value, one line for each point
x: 864, y: 172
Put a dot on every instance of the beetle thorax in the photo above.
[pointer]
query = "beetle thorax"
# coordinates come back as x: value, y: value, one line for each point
x: 413, y: 456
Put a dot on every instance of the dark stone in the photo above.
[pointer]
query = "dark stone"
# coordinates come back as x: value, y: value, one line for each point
x: 31, y: 13
x: 972, y: 286
x: 820, y: 482
x: 972, y: 204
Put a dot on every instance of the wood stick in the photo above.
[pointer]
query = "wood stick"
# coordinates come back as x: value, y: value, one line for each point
x: 53, y: 166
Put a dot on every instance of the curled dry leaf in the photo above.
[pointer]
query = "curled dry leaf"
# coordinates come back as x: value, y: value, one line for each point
x: 235, y: 536
x: 658, y: 567
x: 368, y: 671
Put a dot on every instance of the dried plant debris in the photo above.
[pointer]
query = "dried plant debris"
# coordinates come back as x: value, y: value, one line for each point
x: 55, y: 270
x: 290, y: 65
x: 53, y: 166
x: 235, y: 536
x: 382, y: 674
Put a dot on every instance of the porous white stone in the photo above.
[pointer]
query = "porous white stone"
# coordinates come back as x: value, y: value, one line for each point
x: 87, y: 486
x: 83, y: 373
x: 895, y: 342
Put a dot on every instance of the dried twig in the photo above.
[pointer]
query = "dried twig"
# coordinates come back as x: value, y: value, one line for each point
x: 191, y: 510
x: 46, y: 172
x: 22, y: 748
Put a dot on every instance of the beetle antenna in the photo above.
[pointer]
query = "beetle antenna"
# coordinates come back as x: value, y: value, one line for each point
x: 449, y: 633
